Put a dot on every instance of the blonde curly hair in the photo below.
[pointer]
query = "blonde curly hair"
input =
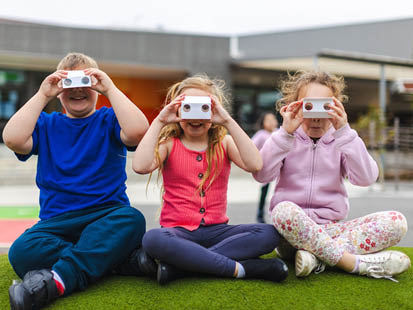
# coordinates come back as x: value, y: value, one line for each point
x: 292, y: 85
x: 215, y: 151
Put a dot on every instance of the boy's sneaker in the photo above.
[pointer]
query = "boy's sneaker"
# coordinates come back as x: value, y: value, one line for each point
x: 37, y: 290
x: 306, y: 263
x: 139, y: 263
x: 267, y: 269
x: 383, y: 264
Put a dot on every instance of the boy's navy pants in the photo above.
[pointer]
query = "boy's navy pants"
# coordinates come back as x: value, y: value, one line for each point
x: 81, y: 246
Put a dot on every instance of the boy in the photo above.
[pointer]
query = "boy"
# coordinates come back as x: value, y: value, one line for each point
x: 87, y: 226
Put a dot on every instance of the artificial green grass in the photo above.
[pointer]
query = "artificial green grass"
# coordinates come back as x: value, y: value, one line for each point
x: 331, y: 289
x: 19, y: 212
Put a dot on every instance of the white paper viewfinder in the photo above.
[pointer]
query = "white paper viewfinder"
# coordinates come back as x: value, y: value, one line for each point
x: 196, y: 107
x: 76, y: 78
x: 317, y: 107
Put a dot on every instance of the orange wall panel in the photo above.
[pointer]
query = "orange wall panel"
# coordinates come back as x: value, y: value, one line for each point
x: 147, y: 94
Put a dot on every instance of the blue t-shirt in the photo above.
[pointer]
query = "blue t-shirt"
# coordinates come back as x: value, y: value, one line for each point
x: 81, y: 162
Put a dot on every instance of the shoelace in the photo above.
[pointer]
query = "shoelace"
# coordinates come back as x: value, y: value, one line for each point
x: 378, y: 272
x: 320, y: 268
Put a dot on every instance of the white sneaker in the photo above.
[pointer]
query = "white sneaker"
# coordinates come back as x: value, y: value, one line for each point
x: 383, y: 264
x: 305, y: 263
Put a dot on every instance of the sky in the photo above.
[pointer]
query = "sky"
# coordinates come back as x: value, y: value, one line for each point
x: 212, y: 17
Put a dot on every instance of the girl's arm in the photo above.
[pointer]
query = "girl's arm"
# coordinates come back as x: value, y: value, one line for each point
x: 358, y: 165
x: 144, y: 159
x: 275, y: 149
x: 360, y: 168
x: 240, y: 148
x: 132, y: 121
x: 277, y: 146
x: 17, y: 133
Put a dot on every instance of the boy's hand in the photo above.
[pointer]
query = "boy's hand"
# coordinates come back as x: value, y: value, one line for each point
x: 219, y: 115
x: 338, y: 113
x: 292, y: 116
x: 169, y: 114
x: 51, y: 85
x: 101, y: 82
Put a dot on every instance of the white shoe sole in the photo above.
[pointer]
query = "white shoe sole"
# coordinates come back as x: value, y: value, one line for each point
x: 303, y: 266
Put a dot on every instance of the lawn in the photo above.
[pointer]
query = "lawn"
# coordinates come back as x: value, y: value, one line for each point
x: 330, y: 290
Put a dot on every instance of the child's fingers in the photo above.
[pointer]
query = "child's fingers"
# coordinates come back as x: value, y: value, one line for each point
x: 214, y: 99
x: 336, y: 109
x: 178, y: 99
x: 94, y: 80
x: 294, y: 106
x: 338, y: 103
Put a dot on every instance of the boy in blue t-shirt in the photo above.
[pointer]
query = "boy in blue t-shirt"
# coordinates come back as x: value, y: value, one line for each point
x: 87, y: 227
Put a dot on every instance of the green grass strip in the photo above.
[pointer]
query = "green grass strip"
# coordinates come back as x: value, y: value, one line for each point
x: 331, y: 289
x: 19, y: 212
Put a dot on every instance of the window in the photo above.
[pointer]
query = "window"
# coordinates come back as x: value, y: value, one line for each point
x: 10, y: 85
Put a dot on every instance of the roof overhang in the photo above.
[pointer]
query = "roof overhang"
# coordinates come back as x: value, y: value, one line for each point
x: 49, y: 63
x: 348, y: 64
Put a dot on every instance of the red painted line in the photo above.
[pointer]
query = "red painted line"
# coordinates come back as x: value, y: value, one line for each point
x: 10, y: 230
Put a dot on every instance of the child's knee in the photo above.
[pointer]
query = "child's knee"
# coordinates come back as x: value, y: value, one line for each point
x: 151, y: 241
x: 18, y: 258
x: 398, y: 224
x: 283, y: 211
x: 136, y: 220
x: 271, y: 237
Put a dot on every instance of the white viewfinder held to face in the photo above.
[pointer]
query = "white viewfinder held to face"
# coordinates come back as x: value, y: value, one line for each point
x: 196, y: 107
x: 317, y: 107
x: 76, y: 78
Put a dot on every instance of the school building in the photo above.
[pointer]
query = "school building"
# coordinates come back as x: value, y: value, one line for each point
x: 375, y: 58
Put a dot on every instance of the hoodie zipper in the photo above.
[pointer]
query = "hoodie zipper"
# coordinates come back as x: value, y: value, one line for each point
x: 311, y: 177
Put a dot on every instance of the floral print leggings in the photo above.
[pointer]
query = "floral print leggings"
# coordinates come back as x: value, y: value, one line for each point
x: 367, y: 234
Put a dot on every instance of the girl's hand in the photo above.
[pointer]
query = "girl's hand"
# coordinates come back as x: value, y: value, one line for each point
x: 101, y: 82
x: 52, y: 85
x: 292, y: 115
x: 219, y: 115
x: 338, y: 113
x: 169, y: 114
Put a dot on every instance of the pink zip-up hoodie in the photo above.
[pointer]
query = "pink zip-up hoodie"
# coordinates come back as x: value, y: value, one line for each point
x: 312, y: 174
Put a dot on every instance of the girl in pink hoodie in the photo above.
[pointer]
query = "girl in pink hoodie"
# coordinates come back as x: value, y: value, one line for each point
x: 309, y: 158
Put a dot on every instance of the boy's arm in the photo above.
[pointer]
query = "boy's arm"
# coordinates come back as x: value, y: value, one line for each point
x: 132, y: 121
x: 17, y: 133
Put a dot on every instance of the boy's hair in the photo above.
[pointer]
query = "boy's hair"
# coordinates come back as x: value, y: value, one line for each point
x: 73, y: 60
x: 291, y: 86
x: 215, y: 151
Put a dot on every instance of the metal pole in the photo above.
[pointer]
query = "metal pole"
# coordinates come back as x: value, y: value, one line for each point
x: 315, y: 63
x: 382, y: 90
x: 382, y: 102
x: 396, y: 152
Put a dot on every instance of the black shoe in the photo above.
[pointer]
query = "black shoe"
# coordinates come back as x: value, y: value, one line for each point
x: 167, y: 273
x: 146, y: 263
x: 37, y: 290
x: 267, y: 269
x: 139, y: 263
